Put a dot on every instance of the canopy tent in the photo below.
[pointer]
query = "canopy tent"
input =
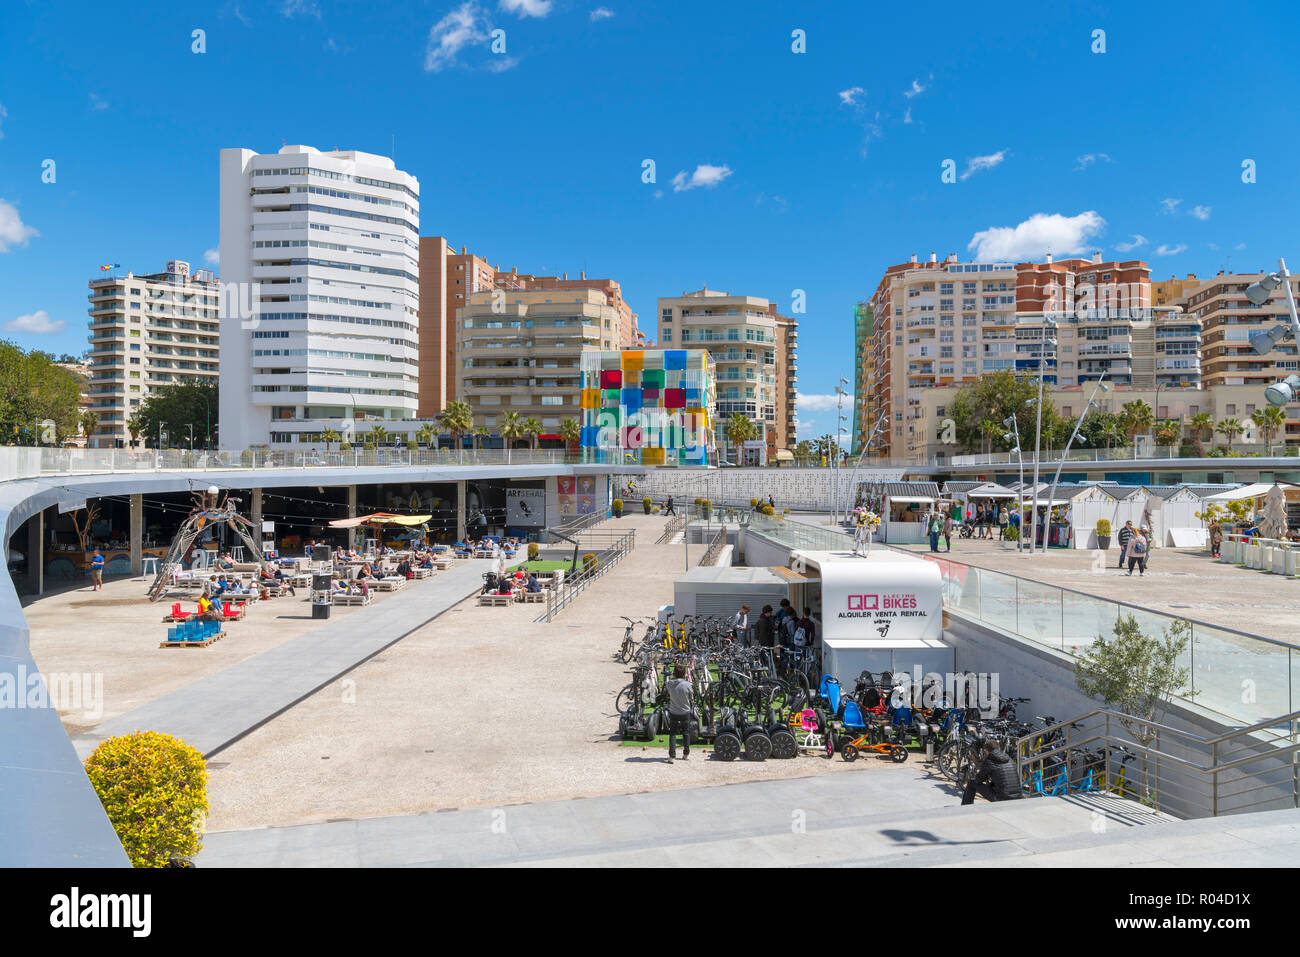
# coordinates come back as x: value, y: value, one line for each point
x: 380, y: 518
x: 1255, y: 490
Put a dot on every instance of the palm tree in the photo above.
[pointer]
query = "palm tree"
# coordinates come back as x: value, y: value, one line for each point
x: 990, y: 430
x: 532, y: 428
x: 1230, y: 428
x: 135, y: 427
x: 1203, y: 427
x: 89, y: 422
x: 427, y: 434
x: 1111, y: 432
x: 1136, y: 417
x: 511, y: 427
x: 1168, y: 431
x: 739, y: 430
x: 803, y: 452
x: 457, y: 418
x: 328, y: 436
x: 571, y: 432
x: 1268, y: 420
x: 378, y: 435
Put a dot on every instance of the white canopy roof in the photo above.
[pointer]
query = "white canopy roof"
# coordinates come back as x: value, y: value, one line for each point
x: 991, y: 490
x: 1255, y: 490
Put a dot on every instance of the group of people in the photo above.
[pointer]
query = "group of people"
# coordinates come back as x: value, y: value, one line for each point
x: 500, y: 583
x: 772, y: 628
x: 985, y: 518
x: 1135, y: 547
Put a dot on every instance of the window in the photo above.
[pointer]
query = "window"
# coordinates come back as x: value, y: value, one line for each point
x: 1232, y: 409
x: 666, y: 335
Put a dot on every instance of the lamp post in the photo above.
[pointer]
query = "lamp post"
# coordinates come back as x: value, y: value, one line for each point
x: 1020, y: 491
x: 1263, y: 342
x: 1051, y: 495
x: 835, y: 465
x: 1049, y: 331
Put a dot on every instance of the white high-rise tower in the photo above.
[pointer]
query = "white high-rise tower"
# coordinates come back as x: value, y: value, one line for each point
x: 320, y: 294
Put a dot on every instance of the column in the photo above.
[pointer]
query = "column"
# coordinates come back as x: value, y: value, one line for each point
x: 137, y: 534
x: 36, y: 553
x: 352, y: 513
x: 460, y: 511
x: 255, y: 516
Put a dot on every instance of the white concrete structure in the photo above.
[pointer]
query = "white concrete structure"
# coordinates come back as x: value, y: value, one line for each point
x: 320, y: 294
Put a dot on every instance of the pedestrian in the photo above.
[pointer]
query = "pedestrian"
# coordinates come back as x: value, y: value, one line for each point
x: 771, y: 501
x: 994, y: 778
x: 97, y: 571
x: 1125, y: 534
x: 947, y: 531
x: 1003, y: 520
x: 1216, y: 538
x: 740, y: 623
x: 679, y: 713
x: 765, y: 629
x: 805, y: 632
x: 668, y: 507
x: 1137, y: 552
x: 934, y: 526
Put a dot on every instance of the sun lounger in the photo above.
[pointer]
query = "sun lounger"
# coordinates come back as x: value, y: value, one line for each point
x: 531, y: 596
x: 392, y: 583
x: 421, y: 573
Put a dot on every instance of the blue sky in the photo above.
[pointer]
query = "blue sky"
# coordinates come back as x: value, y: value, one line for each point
x: 800, y: 171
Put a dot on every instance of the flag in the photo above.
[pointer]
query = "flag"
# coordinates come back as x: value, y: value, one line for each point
x: 110, y: 266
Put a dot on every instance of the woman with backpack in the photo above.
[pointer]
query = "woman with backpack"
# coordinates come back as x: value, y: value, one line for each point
x: 1137, y: 552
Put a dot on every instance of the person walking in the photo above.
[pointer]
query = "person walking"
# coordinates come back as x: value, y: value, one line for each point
x: 1125, y: 535
x: 1004, y: 519
x: 97, y: 571
x: 741, y: 624
x: 1137, y: 553
x: 935, y: 526
x: 994, y: 778
x: 668, y: 507
x: 679, y: 713
x: 947, y: 531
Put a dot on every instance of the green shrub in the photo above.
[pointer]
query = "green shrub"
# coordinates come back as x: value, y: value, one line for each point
x: 646, y: 501
x: 618, y: 505
x: 753, y: 502
x: 246, y: 458
x: 768, y: 510
x: 1013, y: 533
x: 1103, y: 526
x: 532, y: 551
x: 368, y: 446
x: 411, y: 445
x: 154, y: 789
x: 588, y: 561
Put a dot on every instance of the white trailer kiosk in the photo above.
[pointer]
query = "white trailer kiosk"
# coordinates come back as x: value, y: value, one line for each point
x: 879, y: 612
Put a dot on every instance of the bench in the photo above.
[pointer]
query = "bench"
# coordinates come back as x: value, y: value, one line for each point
x: 343, y: 599
x: 421, y: 573
x: 494, y: 599
x: 390, y: 584
x: 530, y: 596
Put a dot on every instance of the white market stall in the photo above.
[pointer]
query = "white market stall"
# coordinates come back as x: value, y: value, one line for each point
x: 902, y: 507
x: 880, y: 612
x: 1088, y: 506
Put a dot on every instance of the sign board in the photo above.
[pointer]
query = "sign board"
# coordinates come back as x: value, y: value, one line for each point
x: 884, y: 597
x: 268, y: 527
x: 48, y: 432
x: 526, y: 507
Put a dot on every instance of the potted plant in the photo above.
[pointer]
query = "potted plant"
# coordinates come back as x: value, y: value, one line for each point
x: 646, y: 503
x: 1103, y: 533
x: 618, y: 508
x: 704, y: 508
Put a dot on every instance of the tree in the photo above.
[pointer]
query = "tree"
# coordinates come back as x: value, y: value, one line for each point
x: 427, y: 433
x: 739, y: 430
x: 328, y: 436
x: 1203, y: 427
x: 178, y: 408
x: 1168, y: 432
x: 532, y: 428
x: 457, y: 418
x: 511, y: 427
x: 1136, y: 675
x: 1269, y: 420
x: 89, y: 423
x: 804, y: 452
x: 1136, y: 417
x: 135, y: 427
x: 480, y: 433
x: 993, y: 399
x: 1230, y: 428
x: 33, y: 389
x: 378, y: 435
x: 570, y: 431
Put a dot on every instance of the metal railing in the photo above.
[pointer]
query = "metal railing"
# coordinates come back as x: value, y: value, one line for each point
x: 1179, y: 772
x: 672, y: 528
x: 1125, y: 454
x: 19, y: 463
x: 710, y: 557
x: 559, y: 597
x: 581, y: 523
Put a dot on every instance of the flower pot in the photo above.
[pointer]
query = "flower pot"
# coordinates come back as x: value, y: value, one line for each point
x: 1103, y: 542
x: 618, y: 513
x: 646, y: 507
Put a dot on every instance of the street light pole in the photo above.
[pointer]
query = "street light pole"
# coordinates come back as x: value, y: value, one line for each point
x: 1020, y: 492
x: 1059, y: 465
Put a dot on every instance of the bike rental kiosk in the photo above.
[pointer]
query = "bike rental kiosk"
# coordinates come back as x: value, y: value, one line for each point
x: 882, y: 611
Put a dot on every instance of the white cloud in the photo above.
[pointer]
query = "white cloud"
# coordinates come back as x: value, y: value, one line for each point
x: 13, y: 231
x: 462, y: 27
x: 820, y: 403
x: 1239, y: 246
x: 527, y: 8
x: 1041, y: 233
x: 499, y: 64
x: 1164, y: 249
x: 1170, y: 205
x: 36, y: 323
x: 1087, y: 159
x: 292, y: 8
x: 916, y: 89
x: 907, y: 115
x: 98, y: 103
x: 659, y: 194
x: 1138, y: 240
x: 601, y: 13
x: 3, y: 115
x: 850, y: 96
x: 1200, y: 212
x: 212, y: 257
x: 978, y: 163
x: 704, y: 175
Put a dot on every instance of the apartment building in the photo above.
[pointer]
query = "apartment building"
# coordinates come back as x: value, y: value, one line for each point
x: 320, y: 255
x: 521, y: 350
x: 863, y: 377
x: 145, y: 332
x: 625, y: 323
x: 1228, y: 319
x: 744, y: 334
x: 1165, y: 292
x: 446, y: 278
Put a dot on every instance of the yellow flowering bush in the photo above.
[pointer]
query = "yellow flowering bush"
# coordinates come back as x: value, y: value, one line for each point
x: 154, y: 789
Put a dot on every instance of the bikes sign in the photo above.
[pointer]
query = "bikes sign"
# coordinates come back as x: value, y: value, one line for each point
x: 881, y: 597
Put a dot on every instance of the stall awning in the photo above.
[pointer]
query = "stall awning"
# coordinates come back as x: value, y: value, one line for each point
x: 911, y: 498
x: 991, y: 490
x: 380, y: 518
x: 1256, y: 490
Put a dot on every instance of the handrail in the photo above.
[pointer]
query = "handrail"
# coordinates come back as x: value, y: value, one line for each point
x: 560, y: 596
x: 671, y: 528
x: 715, y: 548
x: 1270, y: 749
